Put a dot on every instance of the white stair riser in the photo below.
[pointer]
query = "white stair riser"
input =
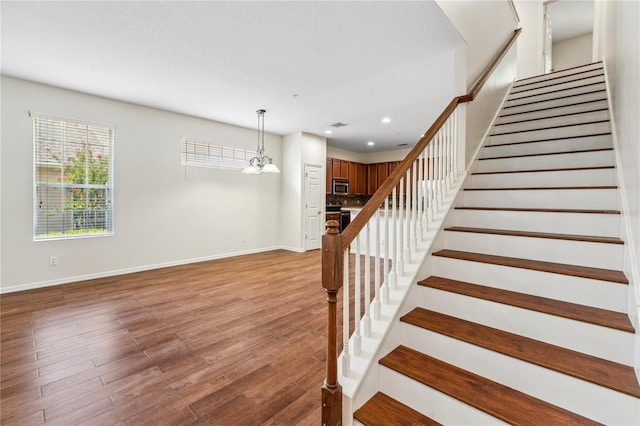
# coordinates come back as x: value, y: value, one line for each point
x: 553, y: 133
x: 595, y: 255
x: 518, y: 87
x: 583, y: 291
x: 602, y: 342
x: 553, y: 161
x: 543, y: 147
x: 554, y: 75
x: 554, y: 112
x: 594, y: 177
x: 604, y: 199
x: 555, y: 95
x: 604, y: 225
x: 555, y: 88
x: 428, y: 401
x: 564, y: 120
x: 590, y: 95
x: 570, y: 393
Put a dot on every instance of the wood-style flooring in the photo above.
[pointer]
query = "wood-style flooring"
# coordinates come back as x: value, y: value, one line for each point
x: 236, y: 341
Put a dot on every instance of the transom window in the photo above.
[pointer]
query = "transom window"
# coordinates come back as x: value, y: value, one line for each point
x: 73, y: 178
x: 203, y: 154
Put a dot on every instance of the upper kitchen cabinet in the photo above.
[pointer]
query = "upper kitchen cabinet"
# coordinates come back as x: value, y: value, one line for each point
x: 328, y: 175
x: 340, y: 169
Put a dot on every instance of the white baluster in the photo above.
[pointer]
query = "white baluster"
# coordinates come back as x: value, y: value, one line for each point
x: 440, y: 169
x: 357, y: 343
x: 455, y: 142
x: 400, y: 230
x: 384, y: 293
x: 414, y: 207
x: 430, y: 180
x: 366, y: 319
x: 375, y: 306
x: 421, y: 199
x: 393, y: 275
x: 407, y: 228
x: 448, y: 155
x: 345, y: 316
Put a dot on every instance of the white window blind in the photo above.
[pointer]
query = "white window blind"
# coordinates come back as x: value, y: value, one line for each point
x: 203, y: 154
x: 73, y: 178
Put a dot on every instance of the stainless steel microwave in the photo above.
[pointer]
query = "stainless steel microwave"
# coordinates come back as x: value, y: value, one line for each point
x: 340, y: 187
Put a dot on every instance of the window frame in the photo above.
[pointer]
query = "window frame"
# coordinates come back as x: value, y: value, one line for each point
x: 65, y: 204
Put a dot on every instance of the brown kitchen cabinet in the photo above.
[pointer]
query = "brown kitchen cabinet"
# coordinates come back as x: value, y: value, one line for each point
x: 361, y: 182
x: 383, y: 172
x: 353, y: 178
x: 329, y: 176
x: 372, y: 179
x: 340, y: 169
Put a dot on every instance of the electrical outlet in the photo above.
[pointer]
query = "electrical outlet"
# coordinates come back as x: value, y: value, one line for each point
x: 53, y: 261
x: 244, y: 238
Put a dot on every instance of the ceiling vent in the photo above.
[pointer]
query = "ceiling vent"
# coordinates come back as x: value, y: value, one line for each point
x: 338, y: 124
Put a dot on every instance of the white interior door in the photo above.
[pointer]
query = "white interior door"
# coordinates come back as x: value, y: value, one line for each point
x: 313, y: 200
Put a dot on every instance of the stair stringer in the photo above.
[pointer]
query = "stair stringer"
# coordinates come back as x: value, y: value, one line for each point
x: 362, y: 380
x: 631, y: 264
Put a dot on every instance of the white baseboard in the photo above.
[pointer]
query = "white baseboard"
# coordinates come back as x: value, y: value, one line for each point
x: 67, y: 280
x: 294, y: 249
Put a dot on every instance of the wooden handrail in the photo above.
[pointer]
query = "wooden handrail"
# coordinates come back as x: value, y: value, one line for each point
x: 334, y: 243
x: 367, y: 212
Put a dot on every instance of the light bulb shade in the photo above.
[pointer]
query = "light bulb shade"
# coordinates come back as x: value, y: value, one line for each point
x: 270, y: 168
x: 251, y: 169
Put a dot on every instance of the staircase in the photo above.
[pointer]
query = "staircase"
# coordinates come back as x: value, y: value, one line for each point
x: 523, y: 319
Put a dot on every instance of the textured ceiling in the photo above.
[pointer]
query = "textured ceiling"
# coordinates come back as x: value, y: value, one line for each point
x: 308, y: 64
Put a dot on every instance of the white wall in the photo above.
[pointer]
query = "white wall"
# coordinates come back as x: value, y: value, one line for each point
x: 164, y: 213
x: 482, y: 111
x: 298, y: 149
x: 573, y: 52
x: 530, y: 44
x: 484, y: 25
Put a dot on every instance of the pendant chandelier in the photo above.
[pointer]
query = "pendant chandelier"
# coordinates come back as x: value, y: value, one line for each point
x: 261, y: 163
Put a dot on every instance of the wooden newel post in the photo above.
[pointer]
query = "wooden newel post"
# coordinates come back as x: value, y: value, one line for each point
x: 332, y: 270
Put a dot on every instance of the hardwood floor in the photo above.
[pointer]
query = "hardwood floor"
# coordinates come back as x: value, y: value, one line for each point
x: 237, y: 341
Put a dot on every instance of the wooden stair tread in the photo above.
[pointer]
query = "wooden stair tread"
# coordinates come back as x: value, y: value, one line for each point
x: 547, y: 139
x: 558, y: 91
x: 546, y: 235
x: 584, y: 123
x: 612, y: 375
x: 568, y: 114
x: 551, y: 76
x: 587, y: 314
x: 541, y: 188
x: 502, y: 402
x: 535, y: 210
x: 566, y: 169
x: 524, y: 89
x: 382, y: 410
x: 537, y: 265
x: 591, y: 92
x: 552, y: 107
x: 580, y: 151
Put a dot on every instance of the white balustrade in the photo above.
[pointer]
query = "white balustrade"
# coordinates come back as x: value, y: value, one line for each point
x: 393, y: 236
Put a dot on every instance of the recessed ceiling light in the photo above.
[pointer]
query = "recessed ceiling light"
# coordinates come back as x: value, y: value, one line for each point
x: 370, y: 143
x: 328, y: 132
x: 386, y: 120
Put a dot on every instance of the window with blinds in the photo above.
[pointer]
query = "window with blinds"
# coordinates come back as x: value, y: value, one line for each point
x: 73, y: 178
x: 203, y: 154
